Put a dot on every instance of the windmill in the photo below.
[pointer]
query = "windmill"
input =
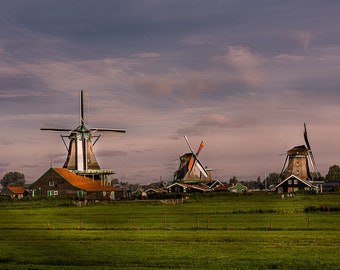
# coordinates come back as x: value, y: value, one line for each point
x: 298, y: 160
x: 80, y: 158
x: 188, y: 162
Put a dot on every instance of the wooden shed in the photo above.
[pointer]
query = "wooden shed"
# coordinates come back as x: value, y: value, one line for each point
x: 64, y: 183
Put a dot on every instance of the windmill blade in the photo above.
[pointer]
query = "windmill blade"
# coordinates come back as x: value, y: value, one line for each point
x: 191, y: 163
x: 200, y: 148
x: 84, y: 108
x: 186, y: 139
x: 109, y: 130
x: 306, y: 137
x: 284, y: 165
x: 201, y: 168
x: 53, y: 127
x: 312, y: 161
x: 309, y: 149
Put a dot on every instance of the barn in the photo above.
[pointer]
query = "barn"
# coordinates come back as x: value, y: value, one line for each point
x: 61, y: 182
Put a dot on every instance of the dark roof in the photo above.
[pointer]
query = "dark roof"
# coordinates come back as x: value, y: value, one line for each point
x: 298, y: 150
x: 297, y: 178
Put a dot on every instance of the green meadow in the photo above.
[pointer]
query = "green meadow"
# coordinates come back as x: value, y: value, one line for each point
x: 208, y: 231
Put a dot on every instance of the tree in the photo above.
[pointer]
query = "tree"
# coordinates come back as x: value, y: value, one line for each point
x: 271, y: 179
x: 333, y: 174
x: 233, y: 181
x: 13, y: 179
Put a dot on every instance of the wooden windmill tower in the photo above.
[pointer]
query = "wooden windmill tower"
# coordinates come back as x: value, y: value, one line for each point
x: 298, y: 161
x: 81, y: 158
x: 186, y: 171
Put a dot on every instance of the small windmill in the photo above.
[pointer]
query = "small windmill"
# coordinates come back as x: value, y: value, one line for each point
x: 298, y: 160
x: 80, y: 157
x: 188, y: 162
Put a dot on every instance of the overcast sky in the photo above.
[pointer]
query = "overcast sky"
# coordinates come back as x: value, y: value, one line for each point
x: 241, y: 75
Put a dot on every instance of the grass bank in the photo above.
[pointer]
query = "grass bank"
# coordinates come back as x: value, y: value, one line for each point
x: 257, y: 231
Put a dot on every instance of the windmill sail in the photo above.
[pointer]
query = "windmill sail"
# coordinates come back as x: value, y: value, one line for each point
x: 305, y: 135
x: 191, y: 160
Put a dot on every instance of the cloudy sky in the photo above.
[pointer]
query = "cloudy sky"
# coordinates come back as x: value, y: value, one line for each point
x: 241, y: 75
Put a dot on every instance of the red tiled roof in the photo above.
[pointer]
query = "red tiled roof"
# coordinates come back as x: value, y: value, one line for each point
x: 221, y: 188
x: 82, y: 182
x: 17, y: 190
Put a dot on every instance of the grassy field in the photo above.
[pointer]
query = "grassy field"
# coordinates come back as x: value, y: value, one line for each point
x: 230, y: 231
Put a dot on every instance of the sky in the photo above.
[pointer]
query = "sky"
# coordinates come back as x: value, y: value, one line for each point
x: 241, y: 75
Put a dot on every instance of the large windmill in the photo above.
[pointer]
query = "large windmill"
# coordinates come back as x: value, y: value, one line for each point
x: 80, y: 158
x: 188, y: 162
x: 298, y: 160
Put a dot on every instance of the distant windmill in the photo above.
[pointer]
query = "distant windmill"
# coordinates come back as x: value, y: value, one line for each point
x: 298, y: 160
x: 188, y: 162
x: 80, y: 157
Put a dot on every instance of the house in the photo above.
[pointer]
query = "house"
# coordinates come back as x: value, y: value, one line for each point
x: 187, y: 188
x: 62, y: 182
x: 155, y: 192
x: 139, y: 193
x: 238, y: 188
x: 151, y: 191
x: 294, y: 184
x: 14, y: 192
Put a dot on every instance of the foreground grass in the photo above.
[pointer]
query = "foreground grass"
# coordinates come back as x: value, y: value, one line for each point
x: 223, y: 232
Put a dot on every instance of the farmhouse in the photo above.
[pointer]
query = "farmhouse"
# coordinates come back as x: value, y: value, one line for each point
x: 187, y: 188
x: 64, y: 183
x: 14, y: 192
x: 294, y: 184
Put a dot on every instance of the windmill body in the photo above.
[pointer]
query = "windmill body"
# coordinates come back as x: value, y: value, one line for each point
x: 80, y: 155
x: 81, y: 158
x: 299, y: 161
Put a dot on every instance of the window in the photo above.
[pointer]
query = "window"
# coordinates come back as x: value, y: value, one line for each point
x: 80, y: 193
x: 52, y: 193
x: 51, y: 183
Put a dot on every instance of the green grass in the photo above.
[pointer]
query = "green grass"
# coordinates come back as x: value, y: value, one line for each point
x: 260, y: 231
